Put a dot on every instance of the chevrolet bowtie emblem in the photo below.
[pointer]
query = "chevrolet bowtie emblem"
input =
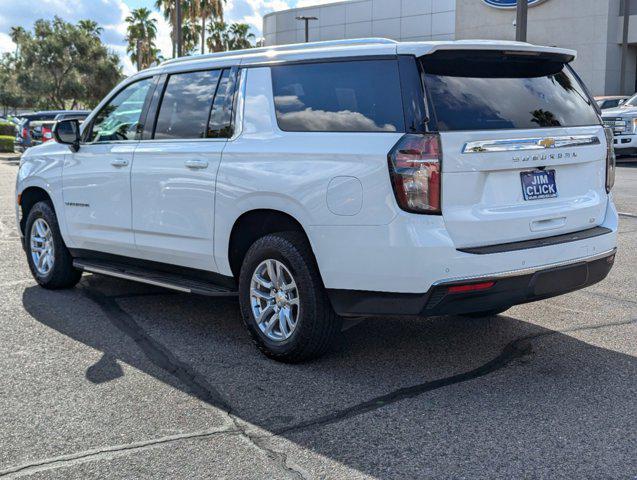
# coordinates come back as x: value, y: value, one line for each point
x: 547, y: 143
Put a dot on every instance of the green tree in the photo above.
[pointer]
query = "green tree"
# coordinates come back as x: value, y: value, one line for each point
x: 191, y: 30
x: 218, y: 36
x: 91, y: 27
x: 193, y: 12
x: 240, y: 36
x: 170, y: 14
x: 144, y: 29
x: 17, y: 34
x: 61, y: 65
x: 11, y: 96
x: 206, y: 9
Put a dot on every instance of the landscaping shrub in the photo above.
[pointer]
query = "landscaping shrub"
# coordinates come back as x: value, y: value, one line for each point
x: 6, y: 143
x: 7, y: 128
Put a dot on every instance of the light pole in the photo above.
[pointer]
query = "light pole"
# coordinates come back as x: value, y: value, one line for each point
x: 307, y: 26
x: 178, y: 32
x: 622, y: 68
x: 521, y: 20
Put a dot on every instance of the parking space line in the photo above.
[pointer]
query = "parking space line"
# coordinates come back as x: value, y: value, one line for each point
x: 630, y: 215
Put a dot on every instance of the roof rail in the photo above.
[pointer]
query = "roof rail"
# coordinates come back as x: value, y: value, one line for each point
x: 283, y: 48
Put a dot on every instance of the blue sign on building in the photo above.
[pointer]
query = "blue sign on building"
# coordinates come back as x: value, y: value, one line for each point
x: 509, y: 3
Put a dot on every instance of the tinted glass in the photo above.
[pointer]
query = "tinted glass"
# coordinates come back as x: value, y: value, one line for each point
x: 119, y: 119
x: 185, y: 107
x: 485, y: 91
x: 357, y: 96
x: 220, y: 125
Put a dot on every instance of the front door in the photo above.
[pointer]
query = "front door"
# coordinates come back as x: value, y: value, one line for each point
x: 174, y: 171
x: 96, y: 178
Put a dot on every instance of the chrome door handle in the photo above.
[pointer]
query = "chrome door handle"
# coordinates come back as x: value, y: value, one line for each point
x: 118, y: 162
x: 196, y: 163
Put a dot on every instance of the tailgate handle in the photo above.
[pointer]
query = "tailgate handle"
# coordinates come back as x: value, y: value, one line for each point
x: 548, y: 224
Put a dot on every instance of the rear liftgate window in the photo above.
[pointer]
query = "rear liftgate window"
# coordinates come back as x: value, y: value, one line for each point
x: 482, y: 90
x: 347, y: 96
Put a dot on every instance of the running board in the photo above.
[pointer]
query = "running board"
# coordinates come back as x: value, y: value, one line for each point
x: 151, y: 277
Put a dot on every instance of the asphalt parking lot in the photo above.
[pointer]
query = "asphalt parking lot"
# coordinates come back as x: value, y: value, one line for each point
x: 119, y: 380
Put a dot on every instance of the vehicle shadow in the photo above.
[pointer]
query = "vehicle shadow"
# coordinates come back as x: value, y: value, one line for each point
x: 496, y: 388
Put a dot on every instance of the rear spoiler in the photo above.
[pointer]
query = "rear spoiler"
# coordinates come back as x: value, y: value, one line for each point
x: 426, y: 48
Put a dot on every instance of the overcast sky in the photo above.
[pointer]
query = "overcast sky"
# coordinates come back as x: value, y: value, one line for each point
x: 110, y: 15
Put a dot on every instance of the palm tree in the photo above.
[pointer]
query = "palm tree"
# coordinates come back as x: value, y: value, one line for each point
x: 91, y: 27
x: 218, y: 38
x: 170, y: 14
x: 207, y: 9
x: 240, y: 36
x: 143, y: 28
x: 190, y: 31
x: 17, y: 34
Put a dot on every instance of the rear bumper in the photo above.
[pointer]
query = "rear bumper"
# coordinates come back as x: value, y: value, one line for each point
x: 509, y: 288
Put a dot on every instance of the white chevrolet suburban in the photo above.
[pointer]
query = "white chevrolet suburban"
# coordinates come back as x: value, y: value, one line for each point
x: 334, y: 179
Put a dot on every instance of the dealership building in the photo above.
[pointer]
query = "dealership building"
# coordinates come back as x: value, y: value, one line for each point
x: 595, y: 28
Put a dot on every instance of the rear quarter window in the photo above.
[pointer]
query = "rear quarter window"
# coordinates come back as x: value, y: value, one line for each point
x: 339, y: 96
x: 495, y: 90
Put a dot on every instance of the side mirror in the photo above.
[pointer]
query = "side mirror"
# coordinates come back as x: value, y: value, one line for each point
x: 67, y: 132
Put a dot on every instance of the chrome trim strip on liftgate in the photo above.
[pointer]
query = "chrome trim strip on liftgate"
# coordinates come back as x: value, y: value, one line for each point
x: 537, y: 143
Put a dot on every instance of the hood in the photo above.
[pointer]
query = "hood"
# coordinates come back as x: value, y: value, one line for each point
x: 620, y: 112
x: 45, y: 148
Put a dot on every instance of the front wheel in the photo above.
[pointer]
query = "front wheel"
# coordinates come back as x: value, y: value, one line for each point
x: 50, y: 262
x: 283, y: 301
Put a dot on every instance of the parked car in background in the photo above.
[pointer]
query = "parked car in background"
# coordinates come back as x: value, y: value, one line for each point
x: 623, y: 121
x: 30, y: 133
x: 611, y: 101
x: 42, y: 132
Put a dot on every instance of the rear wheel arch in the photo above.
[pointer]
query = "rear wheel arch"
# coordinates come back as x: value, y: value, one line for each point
x: 253, y: 225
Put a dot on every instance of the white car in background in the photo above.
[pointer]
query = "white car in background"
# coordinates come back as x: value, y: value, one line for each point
x: 346, y: 178
x: 622, y: 121
x: 611, y: 101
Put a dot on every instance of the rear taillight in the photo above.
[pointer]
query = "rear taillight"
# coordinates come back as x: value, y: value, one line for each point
x: 25, y: 132
x: 610, y: 160
x: 414, y: 167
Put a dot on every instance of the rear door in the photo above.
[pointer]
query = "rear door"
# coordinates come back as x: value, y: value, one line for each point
x: 523, y: 148
x: 174, y: 170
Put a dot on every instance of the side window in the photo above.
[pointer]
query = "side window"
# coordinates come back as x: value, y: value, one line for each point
x: 350, y: 96
x: 220, y: 124
x: 119, y: 119
x: 185, y: 106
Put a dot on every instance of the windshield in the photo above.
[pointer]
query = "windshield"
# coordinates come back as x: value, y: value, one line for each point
x: 475, y: 90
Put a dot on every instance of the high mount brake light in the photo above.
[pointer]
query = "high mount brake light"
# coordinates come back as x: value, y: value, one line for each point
x: 414, y: 168
x: 610, y: 160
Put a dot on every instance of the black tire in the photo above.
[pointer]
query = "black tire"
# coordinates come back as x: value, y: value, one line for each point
x: 486, y: 313
x: 317, y: 324
x: 62, y: 274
